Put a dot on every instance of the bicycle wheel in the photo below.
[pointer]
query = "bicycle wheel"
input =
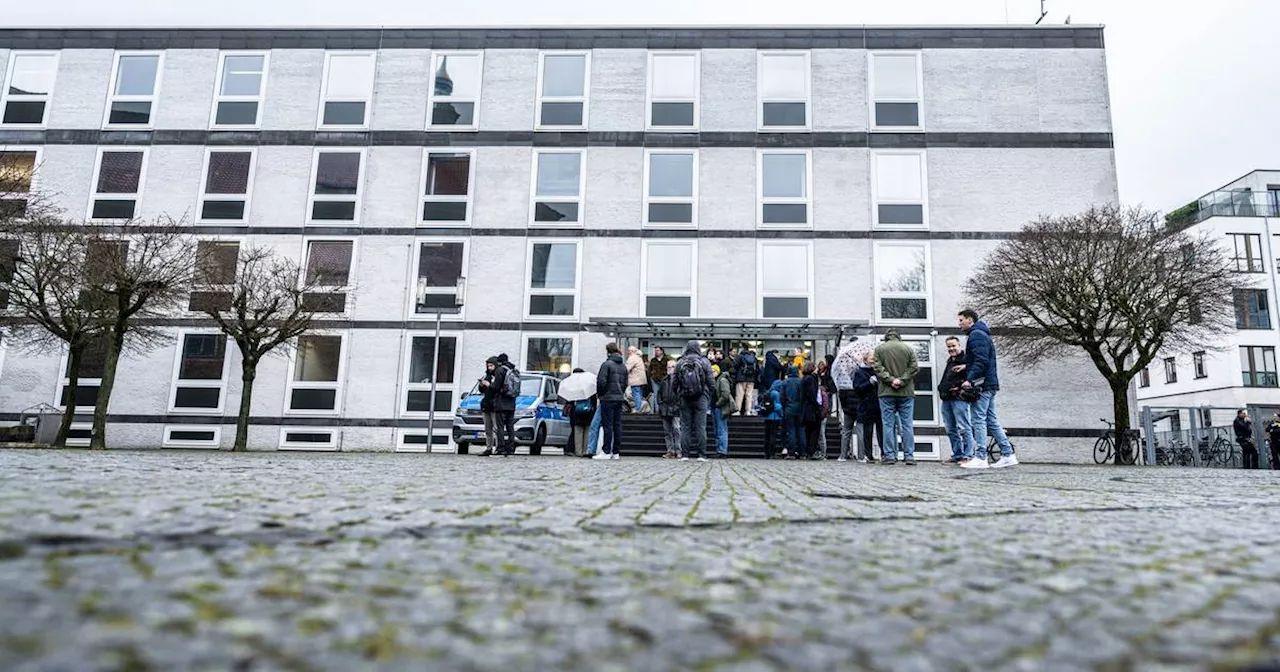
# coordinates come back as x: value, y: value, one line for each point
x: 1126, y: 452
x: 1102, y: 450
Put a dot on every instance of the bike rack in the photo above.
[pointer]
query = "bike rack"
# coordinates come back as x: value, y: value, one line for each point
x: 1150, y: 415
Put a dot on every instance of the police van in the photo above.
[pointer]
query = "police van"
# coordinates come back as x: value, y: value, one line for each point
x: 540, y: 419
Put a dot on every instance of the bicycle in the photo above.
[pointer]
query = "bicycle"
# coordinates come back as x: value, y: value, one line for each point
x: 1123, y: 447
x: 1182, y: 454
x: 993, y: 449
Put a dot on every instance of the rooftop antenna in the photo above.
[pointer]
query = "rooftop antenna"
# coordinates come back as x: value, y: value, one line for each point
x: 1043, y: 12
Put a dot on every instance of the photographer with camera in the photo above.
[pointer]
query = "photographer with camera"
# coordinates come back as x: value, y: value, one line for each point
x: 980, y: 386
x: 955, y: 410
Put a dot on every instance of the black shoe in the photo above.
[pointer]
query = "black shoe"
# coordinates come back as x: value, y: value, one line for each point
x: 887, y: 462
x: 909, y: 462
x: 487, y: 452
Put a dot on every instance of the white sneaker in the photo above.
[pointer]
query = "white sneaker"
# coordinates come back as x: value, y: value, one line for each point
x: 702, y: 459
x: 1010, y: 461
x: 842, y: 460
x: 975, y: 463
x: 601, y: 456
x: 617, y: 456
x: 683, y: 458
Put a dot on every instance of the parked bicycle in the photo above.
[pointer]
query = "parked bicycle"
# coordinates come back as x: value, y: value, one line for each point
x: 1124, y: 447
x: 993, y: 449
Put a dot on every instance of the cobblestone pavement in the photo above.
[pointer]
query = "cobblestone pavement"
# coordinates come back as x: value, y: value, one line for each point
x: 134, y: 560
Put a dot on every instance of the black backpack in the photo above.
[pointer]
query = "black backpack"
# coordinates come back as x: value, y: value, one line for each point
x: 511, y: 384
x: 766, y: 403
x: 689, y: 377
x: 750, y: 367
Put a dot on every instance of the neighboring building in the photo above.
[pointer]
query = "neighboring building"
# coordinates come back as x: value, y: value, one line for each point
x: 1245, y: 215
x: 771, y: 186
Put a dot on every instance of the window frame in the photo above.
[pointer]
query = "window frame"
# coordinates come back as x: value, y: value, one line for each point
x: 879, y: 294
x: 1170, y: 370
x: 810, y: 295
x: 415, y: 257
x: 347, y: 289
x: 1253, y: 265
x: 332, y: 445
x: 526, y: 336
x: 403, y: 433
x: 219, y: 97
x: 97, y: 171
x: 6, y: 97
x: 38, y: 151
x: 203, y: 197
x: 313, y: 197
x: 529, y: 291
x: 367, y: 100
x: 214, y: 444
x: 692, y: 294
x: 761, y: 56
x: 876, y: 201
x: 344, y: 353
x: 113, y: 97
x: 762, y: 201
x: 871, y: 91
x: 196, y: 287
x: 585, y: 98
x: 219, y: 384
x: 407, y: 385
x: 649, y: 199
x: 650, y: 99
x: 64, y: 382
x: 1198, y: 369
x: 1257, y: 368
x: 580, y: 199
x: 432, y: 98
x: 1236, y: 305
x: 469, y: 199
x: 1144, y: 377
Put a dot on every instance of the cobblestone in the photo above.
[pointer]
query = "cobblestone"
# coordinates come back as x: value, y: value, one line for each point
x: 136, y: 560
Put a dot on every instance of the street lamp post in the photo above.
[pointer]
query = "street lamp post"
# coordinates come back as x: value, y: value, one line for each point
x: 459, y: 297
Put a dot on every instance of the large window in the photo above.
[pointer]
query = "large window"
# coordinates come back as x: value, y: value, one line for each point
x: 1258, y: 365
x: 900, y: 188
x: 328, y: 270
x: 670, y: 278
x: 1248, y: 252
x: 674, y: 78
x: 454, y: 98
x: 421, y: 356
x: 926, y: 389
x: 1170, y: 370
x: 1252, y: 309
x: 117, y: 183
x: 564, y: 83
x: 92, y: 364
x: 200, y: 373
x: 549, y: 353
x: 216, y: 264
x: 28, y: 88
x: 785, y: 279
x: 1144, y: 377
x: 671, y: 188
x: 224, y: 195
x: 557, y: 188
x: 554, y: 271
x: 784, y: 188
x: 440, y: 265
x: 135, y: 83
x: 17, y: 173
x: 315, y: 375
x: 784, y: 90
x: 242, y: 81
x: 347, y: 89
x: 1198, y: 366
x: 902, y: 282
x: 446, y: 191
x: 335, y: 186
x: 896, y: 82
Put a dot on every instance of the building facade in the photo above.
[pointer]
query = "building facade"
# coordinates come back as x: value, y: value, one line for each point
x: 1245, y: 216
x: 840, y: 175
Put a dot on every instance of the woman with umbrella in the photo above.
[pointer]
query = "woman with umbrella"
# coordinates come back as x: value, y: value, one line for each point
x: 579, y: 393
x: 853, y: 409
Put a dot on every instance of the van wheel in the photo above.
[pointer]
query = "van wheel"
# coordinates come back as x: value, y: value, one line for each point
x: 539, y: 441
x: 464, y: 448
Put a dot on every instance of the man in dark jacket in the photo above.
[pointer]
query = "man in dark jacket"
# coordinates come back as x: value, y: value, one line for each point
x: 772, y: 370
x: 793, y: 414
x: 505, y: 407
x: 866, y: 392
x: 1243, y: 427
x: 694, y: 381
x: 488, y: 391
x: 611, y: 389
x: 981, y: 372
x: 955, y: 411
x: 1273, y: 438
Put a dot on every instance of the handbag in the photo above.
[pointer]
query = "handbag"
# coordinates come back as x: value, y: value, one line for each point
x: 971, y: 393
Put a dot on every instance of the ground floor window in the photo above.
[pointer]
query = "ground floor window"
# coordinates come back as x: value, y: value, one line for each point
x: 316, y: 374
x: 421, y: 356
x: 549, y: 353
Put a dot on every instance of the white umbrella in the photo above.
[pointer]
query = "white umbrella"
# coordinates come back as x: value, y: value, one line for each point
x: 578, y: 386
x: 847, y: 361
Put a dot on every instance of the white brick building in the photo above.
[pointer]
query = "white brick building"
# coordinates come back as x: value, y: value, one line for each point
x: 852, y: 175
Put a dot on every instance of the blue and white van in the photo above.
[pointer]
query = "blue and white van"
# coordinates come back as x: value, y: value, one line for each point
x: 540, y: 420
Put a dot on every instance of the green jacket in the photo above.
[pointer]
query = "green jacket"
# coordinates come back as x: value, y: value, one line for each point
x: 724, y: 393
x: 895, y: 359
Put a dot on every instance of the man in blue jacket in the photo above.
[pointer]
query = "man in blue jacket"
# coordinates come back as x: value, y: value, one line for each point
x: 981, y: 372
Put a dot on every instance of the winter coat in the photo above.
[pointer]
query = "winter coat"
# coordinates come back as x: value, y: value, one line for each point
x: 775, y: 393
x: 793, y: 395
x: 951, y: 379
x: 895, y: 359
x: 867, y: 391
x: 611, y: 381
x: 658, y: 368
x: 771, y: 372
x: 724, y: 393
x: 635, y: 371
x: 1244, y: 428
x: 488, y: 392
x: 980, y: 357
x: 501, y: 402
x: 811, y: 411
x: 668, y: 399
x: 1273, y: 432
x: 745, y: 371
x: 694, y: 349
x: 580, y: 417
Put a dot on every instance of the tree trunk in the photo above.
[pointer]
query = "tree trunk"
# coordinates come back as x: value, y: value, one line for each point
x: 248, y: 372
x: 74, y: 354
x: 114, y: 346
x: 1120, y: 407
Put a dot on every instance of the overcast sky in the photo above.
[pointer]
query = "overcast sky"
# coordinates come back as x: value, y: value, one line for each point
x: 1195, y: 86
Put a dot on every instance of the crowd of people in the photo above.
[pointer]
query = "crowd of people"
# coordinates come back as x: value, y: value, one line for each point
x: 1243, y: 427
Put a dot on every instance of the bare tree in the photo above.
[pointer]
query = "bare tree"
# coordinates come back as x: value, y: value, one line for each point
x: 136, y: 274
x: 1113, y: 282
x: 264, y: 307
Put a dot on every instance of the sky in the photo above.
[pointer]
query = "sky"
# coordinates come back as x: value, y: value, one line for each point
x: 1195, y: 85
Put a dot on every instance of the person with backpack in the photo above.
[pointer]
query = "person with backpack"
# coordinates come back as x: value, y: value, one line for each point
x: 722, y: 410
x: 867, y: 396
x: 580, y: 413
x: 896, y: 368
x: 695, y: 383
x: 611, y: 388
x: 488, y: 392
x: 507, y: 381
x: 811, y: 411
x: 771, y: 407
x: 793, y: 414
x: 746, y: 373
x: 667, y: 405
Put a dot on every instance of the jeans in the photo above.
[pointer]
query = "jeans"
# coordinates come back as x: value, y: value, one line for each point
x: 693, y: 426
x: 745, y: 392
x: 848, y: 425
x: 822, y: 438
x: 955, y: 416
x: 898, y: 414
x: 593, y: 434
x: 982, y: 413
x: 671, y: 433
x: 869, y: 427
x: 770, y: 438
x: 793, y: 428
x: 507, y: 431
x: 637, y: 393
x: 611, y: 419
x: 722, y: 431
x: 490, y: 430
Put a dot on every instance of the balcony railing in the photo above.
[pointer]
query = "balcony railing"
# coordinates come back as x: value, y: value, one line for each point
x: 1227, y: 204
